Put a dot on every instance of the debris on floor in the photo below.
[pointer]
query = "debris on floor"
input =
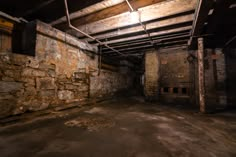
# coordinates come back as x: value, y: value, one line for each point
x: 96, y: 110
x: 91, y: 123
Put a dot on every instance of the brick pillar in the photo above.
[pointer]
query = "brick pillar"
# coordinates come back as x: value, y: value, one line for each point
x: 152, y: 65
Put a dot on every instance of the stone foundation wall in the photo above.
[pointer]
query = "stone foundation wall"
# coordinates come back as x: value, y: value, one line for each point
x: 62, y: 71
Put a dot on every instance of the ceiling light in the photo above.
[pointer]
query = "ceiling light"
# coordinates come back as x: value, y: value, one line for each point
x: 211, y: 11
x: 134, y: 16
x: 232, y: 6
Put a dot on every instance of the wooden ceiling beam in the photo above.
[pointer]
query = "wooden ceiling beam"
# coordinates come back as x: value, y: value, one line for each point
x: 155, y: 11
x: 157, y: 40
x: 140, y: 53
x: 154, y: 37
x: 148, y: 46
x: 87, y: 11
x: 108, y: 12
x: 159, y: 33
x: 143, y: 50
x: 149, y: 26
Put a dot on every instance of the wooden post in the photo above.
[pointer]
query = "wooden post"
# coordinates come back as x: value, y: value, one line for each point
x: 201, y: 78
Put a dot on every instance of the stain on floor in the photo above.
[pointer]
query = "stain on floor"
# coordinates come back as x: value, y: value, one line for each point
x: 124, y: 128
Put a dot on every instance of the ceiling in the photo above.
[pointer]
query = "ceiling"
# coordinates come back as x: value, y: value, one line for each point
x: 154, y: 23
x: 215, y: 21
x: 44, y: 10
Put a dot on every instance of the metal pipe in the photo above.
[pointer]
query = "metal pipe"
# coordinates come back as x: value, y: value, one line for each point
x: 2, y: 14
x: 140, y: 22
x: 100, y: 60
x: 230, y: 41
x: 131, y: 8
x: 85, y: 34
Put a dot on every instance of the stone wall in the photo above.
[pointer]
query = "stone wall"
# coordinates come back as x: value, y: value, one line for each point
x: 63, y: 70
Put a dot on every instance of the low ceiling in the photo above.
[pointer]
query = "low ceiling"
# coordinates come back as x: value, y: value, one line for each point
x: 168, y: 23
x: 44, y: 10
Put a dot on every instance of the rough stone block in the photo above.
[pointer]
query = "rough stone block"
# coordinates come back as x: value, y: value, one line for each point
x: 7, y: 79
x: 30, y: 91
x: 5, y: 58
x: 6, y: 87
x: 27, y: 81
x: 51, y: 73
x: 6, y: 96
x: 33, y: 72
x: 84, y: 88
x: 45, y: 83
x: 33, y: 63
x: 45, y: 66
x: 18, y: 59
x: 37, y: 105
x: 65, y: 95
x: 47, y: 93
x: 78, y: 76
x: 63, y: 78
x: 70, y: 86
x: 6, y: 107
x: 12, y: 73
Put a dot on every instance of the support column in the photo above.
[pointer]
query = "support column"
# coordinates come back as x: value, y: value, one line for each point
x: 152, y: 66
x: 201, y: 79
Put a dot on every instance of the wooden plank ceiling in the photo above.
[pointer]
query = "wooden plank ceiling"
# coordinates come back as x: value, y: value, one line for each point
x: 169, y: 23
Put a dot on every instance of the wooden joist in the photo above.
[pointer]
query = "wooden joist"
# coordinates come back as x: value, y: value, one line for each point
x: 161, y: 37
x: 88, y: 10
x: 6, y: 26
x: 149, y: 26
x: 108, y: 12
x: 140, y: 47
x: 159, y: 33
x: 145, y: 42
x: 148, y: 13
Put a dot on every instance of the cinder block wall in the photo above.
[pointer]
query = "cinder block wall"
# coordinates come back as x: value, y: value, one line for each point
x: 62, y: 71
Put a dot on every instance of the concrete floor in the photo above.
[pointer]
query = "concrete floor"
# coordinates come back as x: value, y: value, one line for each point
x: 124, y: 128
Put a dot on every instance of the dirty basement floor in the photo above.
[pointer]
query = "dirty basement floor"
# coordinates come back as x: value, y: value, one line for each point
x: 124, y: 128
